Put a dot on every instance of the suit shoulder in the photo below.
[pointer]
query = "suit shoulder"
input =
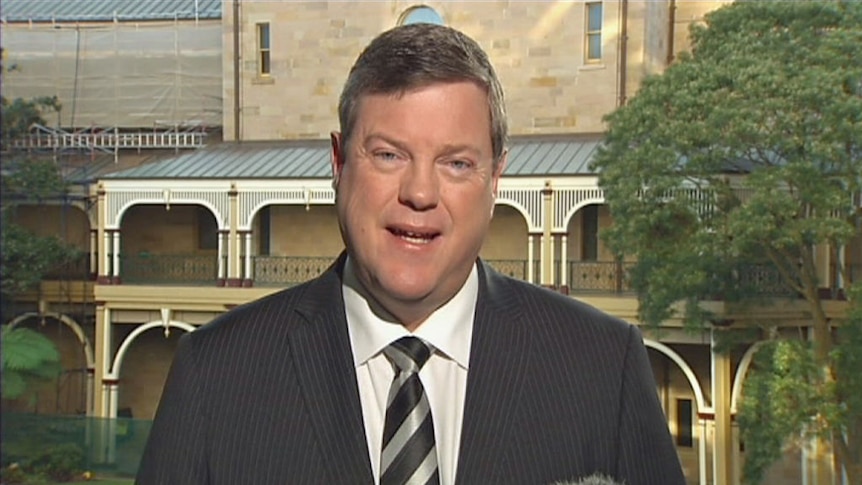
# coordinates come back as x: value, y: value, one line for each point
x: 544, y: 307
x: 274, y: 309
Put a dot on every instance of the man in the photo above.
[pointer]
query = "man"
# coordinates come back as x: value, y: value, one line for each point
x: 411, y: 361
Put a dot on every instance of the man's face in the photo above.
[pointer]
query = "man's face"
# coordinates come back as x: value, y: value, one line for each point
x: 415, y: 193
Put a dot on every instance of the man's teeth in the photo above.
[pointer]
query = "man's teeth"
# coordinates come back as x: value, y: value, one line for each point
x: 414, y: 237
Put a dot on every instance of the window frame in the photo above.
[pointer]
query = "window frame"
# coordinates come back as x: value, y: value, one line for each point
x: 406, y: 15
x: 264, y: 49
x: 590, y: 34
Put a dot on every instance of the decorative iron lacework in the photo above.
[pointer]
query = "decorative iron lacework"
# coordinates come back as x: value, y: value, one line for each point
x: 119, y: 201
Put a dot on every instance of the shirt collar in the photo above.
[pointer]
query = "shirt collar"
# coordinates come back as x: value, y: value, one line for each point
x: 449, y: 329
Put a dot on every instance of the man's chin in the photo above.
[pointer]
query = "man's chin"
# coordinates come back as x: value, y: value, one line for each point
x: 407, y: 303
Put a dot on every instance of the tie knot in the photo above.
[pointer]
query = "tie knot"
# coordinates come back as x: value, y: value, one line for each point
x: 408, y: 353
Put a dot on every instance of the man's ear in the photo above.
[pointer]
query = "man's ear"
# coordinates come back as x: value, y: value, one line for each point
x: 336, y: 157
x: 498, y: 171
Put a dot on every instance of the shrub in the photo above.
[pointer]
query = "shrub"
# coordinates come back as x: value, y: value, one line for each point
x: 60, y: 463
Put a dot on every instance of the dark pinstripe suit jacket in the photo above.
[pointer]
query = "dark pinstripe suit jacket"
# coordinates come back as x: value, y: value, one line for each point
x: 267, y: 394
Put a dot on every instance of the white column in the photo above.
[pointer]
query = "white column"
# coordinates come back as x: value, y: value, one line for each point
x: 91, y: 381
x: 94, y: 242
x: 530, y: 250
x: 220, y: 237
x: 701, y: 452
x: 106, y: 399
x: 551, y: 254
x: 114, y: 388
x: 842, y: 259
x: 564, y: 263
x: 722, y: 439
x: 106, y: 258
x: 116, y: 272
x: 107, y: 357
x: 542, y: 278
x: 114, y: 391
x: 230, y: 256
x: 248, y: 275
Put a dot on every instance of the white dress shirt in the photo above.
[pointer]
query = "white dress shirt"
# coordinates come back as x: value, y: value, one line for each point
x: 449, y: 330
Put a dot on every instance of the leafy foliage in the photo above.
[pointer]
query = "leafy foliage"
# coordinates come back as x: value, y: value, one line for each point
x: 28, y: 357
x: 19, y: 115
x: 724, y: 176
x: 26, y: 257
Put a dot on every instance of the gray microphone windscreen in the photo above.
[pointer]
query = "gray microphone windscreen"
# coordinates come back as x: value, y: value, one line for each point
x: 595, y: 479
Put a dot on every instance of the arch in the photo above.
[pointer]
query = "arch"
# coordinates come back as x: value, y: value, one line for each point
x: 89, y: 210
x: 420, y: 14
x: 741, y: 371
x: 580, y: 205
x: 255, y: 209
x: 118, y: 218
x: 686, y: 370
x: 124, y: 347
x: 69, y: 322
x: 520, y: 208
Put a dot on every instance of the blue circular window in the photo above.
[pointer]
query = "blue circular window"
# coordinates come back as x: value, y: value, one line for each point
x: 421, y: 14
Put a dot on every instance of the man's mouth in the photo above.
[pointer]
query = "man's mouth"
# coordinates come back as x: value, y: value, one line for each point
x: 413, y: 236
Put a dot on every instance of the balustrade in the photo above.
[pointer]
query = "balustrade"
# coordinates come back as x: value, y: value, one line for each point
x: 288, y: 270
x: 599, y: 276
x: 74, y: 269
x: 170, y: 269
x: 608, y: 277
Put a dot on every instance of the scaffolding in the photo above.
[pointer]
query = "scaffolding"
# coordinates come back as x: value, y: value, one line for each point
x: 111, y: 140
x: 129, y: 75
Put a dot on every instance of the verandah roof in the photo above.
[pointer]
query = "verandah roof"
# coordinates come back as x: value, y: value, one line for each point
x: 528, y: 156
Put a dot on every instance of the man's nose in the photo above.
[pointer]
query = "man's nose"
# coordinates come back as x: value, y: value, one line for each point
x: 420, y: 187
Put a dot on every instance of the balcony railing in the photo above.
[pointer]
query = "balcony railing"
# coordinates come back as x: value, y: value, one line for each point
x: 764, y: 280
x: 599, y: 276
x: 515, y: 268
x: 287, y: 270
x: 77, y: 269
x: 606, y: 277
x: 171, y: 269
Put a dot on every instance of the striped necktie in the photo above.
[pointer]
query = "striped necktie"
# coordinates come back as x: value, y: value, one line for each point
x: 409, y: 455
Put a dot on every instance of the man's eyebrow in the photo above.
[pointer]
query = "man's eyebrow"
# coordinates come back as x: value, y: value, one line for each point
x: 462, y: 147
x: 385, y: 139
x: 447, y: 149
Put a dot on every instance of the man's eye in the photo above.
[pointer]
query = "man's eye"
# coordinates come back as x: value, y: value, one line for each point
x: 460, y: 164
x: 385, y: 156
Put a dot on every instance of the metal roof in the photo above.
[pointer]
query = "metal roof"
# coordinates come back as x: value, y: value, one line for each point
x: 310, y: 159
x: 555, y: 156
x: 107, y: 10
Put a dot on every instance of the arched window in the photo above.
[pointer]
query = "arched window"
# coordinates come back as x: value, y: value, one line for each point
x: 421, y: 14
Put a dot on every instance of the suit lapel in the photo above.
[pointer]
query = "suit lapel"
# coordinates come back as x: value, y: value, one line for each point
x: 497, y: 371
x: 328, y: 379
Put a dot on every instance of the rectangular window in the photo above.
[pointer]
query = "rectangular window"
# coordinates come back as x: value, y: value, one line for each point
x: 590, y: 233
x: 684, y: 435
x: 594, y: 32
x: 263, y: 60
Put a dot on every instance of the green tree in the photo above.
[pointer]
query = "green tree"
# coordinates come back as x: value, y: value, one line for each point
x: 730, y: 170
x: 28, y: 357
x: 26, y: 257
